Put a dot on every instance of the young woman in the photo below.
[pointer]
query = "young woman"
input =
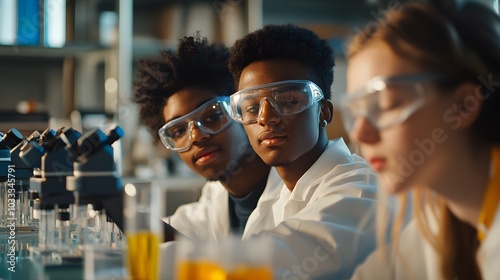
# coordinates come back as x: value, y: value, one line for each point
x: 423, y: 104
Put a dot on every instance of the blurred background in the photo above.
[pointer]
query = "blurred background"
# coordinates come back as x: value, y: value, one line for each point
x: 72, y: 63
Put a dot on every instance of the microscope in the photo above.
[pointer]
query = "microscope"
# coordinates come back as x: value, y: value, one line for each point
x: 7, y: 141
x: 15, y: 188
x: 4, y: 172
x: 97, y: 187
x: 48, y: 195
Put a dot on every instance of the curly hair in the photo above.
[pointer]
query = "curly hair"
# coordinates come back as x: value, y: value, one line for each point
x: 285, y: 42
x: 195, y: 63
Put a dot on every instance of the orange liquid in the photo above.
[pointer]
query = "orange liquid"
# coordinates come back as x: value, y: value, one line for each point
x: 250, y: 273
x: 143, y: 255
x: 200, y: 270
x: 205, y: 270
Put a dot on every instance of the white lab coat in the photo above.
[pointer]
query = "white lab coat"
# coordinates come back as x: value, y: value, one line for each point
x: 488, y: 255
x: 208, y: 218
x: 314, y: 228
x: 416, y: 258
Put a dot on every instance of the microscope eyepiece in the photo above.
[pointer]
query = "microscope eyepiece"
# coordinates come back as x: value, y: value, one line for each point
x: 114, y: 133
x: 93, y: 141
x: 12, y: 138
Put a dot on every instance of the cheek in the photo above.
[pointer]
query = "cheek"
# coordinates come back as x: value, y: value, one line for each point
x: 252, y: 131
x: 187, y: 157
x: 411, y: 135
x: 399, y: 141
x: 409, y: 149
x: 305, y: 127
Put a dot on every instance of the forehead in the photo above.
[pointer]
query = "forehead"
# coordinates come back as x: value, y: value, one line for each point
x: 185, y: 101
x: 270, y: 71
x: 377, y: 59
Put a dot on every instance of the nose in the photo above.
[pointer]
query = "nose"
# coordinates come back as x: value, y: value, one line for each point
x: 364, y: 132
x: 197, y: 134
x: 267, y: 114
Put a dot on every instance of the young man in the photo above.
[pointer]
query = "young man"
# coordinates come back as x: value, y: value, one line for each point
x: 183, y: 99
x: 283, y: 75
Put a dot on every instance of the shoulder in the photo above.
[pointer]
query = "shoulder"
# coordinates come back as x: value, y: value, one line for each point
x: 413, y: 258
x: 343, y: 163
x: 213, y: 188
x: 352, y: 178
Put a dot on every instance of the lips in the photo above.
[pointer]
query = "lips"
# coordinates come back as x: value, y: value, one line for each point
x: 271, y: 138
x: 377, y: 163
x: 205, y: 153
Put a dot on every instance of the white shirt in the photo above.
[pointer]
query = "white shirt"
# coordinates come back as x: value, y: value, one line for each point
x: 314, y: 228
x: 488, y: 256
x: 417, y: 259
x: 208, y: 218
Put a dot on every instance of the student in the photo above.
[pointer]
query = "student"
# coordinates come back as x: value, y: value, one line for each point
x: 423, y: 104
x: 283, y: 74
x: 184, y: 100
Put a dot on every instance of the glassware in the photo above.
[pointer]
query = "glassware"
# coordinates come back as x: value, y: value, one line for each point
x: 102, y: 263
x: 233, y: 259
x: 63, y: 227
x: 144, y: 208
x: 47, y: 228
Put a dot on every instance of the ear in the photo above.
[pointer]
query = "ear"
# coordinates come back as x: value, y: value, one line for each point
x: 468, y: 103
x: 326, y: 111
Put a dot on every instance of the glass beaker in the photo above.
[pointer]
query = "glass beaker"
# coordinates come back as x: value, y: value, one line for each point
x: 233, y: 259
x: 144, y: 208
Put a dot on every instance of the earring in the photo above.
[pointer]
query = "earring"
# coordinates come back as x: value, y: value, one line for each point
x: 323, y: 123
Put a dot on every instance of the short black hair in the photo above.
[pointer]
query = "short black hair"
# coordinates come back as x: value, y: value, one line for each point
x: 285, y: 42
x: 195, y: 63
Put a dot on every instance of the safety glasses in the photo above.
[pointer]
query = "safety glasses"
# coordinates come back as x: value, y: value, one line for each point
x: 286, y: 97
x: 387, y: 101
x: 211, y: 117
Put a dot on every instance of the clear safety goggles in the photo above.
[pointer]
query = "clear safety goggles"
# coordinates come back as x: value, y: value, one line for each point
x: 386, y: 101
x: 286, y: 97
x: 211, y: 117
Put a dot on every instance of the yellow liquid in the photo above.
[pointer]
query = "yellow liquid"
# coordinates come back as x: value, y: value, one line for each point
x: 205, y: 270
x: 143, y: 256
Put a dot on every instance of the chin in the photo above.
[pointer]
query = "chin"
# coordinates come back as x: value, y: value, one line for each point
x: 277, y: 162
x: 393, y: 184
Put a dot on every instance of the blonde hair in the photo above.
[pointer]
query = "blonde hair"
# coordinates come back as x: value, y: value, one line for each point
x: 437, y: 42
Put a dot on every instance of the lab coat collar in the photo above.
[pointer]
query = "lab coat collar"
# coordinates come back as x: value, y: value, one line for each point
x: 272, y: 190
x: 219, y: 214
x: 335, y: 153
x: 256, y: 221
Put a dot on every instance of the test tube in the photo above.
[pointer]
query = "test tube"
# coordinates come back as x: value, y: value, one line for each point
x: 82, y: 223
x: 33, y: 220
x: 25, y: 218
x: 3, y: 206
x: 47, y: 226
x: 99, y: 225
x: 16, y: 205
x: 13, y: 203
x: 143, y: 229
x: 113, y: 234
x: 4, y: 161
x: 63, y: 225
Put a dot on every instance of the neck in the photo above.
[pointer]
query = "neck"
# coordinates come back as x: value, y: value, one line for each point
x: 464, y: 186
x: 292, y: 172
x: 247, y: 176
